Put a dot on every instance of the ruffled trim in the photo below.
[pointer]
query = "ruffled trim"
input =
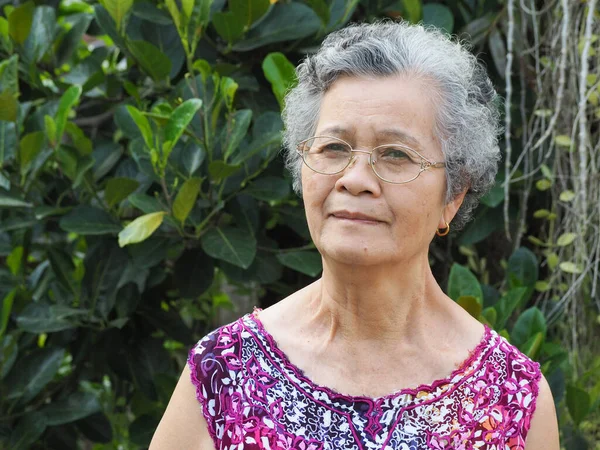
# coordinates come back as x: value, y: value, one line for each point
x: 413, y: 392
x: 199, y: 395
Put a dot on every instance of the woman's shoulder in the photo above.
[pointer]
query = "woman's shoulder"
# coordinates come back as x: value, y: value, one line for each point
x: 223, y: 340
x: 519, y: 365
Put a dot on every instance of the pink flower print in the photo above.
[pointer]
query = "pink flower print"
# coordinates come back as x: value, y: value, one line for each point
x: 262, y: 380
x: 232, y: 361
x: 496, y: 425
x: 237, y: 425
x: 276, y: 409
x: 456, y: 440
x: 515, y: 443
x: 225, y: 339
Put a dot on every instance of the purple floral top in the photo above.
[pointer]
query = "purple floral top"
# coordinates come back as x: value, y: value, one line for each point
x: 254, y: 398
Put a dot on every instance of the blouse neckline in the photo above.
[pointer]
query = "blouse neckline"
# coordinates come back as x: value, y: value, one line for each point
x: 462, y: 371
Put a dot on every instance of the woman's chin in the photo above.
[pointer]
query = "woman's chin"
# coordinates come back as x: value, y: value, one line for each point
x: 354, y: 253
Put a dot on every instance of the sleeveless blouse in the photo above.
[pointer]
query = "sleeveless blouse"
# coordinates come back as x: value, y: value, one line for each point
x: 253, y: 397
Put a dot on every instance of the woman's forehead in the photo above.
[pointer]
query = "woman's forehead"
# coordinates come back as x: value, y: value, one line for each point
x: 395, y: 107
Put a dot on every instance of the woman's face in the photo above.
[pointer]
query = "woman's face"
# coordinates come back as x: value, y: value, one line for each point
x: 367, y: 113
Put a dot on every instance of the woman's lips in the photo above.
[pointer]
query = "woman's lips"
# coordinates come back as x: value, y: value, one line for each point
x: 355, y: 217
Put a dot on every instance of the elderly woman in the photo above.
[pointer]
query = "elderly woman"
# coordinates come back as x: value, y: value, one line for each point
x: 391, y: 137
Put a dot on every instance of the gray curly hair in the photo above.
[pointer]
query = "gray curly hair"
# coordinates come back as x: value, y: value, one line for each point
x: 467, y: 122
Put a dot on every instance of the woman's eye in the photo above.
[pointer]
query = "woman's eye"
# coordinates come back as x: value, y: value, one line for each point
x: 392, y: 154
x: 335, y: 148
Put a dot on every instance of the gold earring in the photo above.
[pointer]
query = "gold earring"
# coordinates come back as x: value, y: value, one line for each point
x: 444, y: 231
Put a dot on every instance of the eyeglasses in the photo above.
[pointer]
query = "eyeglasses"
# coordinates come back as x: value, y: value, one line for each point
x: 393, y: 163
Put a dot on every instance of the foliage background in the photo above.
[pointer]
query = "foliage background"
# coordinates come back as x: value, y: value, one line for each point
x: 144, y: 202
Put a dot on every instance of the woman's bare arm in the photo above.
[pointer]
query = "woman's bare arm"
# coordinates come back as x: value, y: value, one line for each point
x: 543, y: 433
x: 183, y: 426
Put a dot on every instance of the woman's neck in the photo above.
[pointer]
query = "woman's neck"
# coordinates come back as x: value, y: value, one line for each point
x: 365, y: 303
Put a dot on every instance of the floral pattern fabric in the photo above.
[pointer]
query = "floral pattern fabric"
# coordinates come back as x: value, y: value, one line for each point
x: 253, y: 397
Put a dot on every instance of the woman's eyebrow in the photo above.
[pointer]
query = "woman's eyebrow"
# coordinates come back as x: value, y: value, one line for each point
x: 393, y: 133
x: 400, y: 135
x: 335, y: 129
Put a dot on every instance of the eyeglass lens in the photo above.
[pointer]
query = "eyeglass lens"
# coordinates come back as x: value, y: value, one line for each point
x: 393, y: 162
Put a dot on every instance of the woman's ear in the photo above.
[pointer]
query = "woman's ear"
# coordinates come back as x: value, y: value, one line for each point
x: 451, y: 209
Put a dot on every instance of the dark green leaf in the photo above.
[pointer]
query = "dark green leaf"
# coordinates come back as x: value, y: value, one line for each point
x: 341, y: 12
x: 88, y: 220
x: 498, y: 51
x: 108, y: 25
x: 186, y: 198
x: 9, y: 75
x: 220, y: 169
x: 106, y: 155
x: 44, y: 318
x: 76, y: 406
x: 8, y: 140
x: 19, y: 22
x: 321, y: 8
x: 281, y: 73
x: 250, y: 11
x: 269, y: 188
x: 118, y: 189
x: 9, y: 349
x: 485, y: 223
x: 412, y: 9
x: 490, y: 315
x: 230, y: 244
x: 237, y: 128
x: 188, y: 157
x: 63, y: 268
x: 149, y: 12
x: 178, y: 122
x: 168, y: 321
x: 578, y: 403
x: 530, y: 322
x: 150, y: 252
x: 8, y: 106
x: 507, y: 304
x: 494, y: 197
x: 438, y: 15
x: 7, y: 304
x: 41, y: 36
x: 97, y: 428
x: 104, y: 262
x: 470, y: 304
x: 67, y: 101
x: 29, y: 147
x: 306, y: 262
x: 264, y: 269
x: 118, y: 10
x: 229, y: 26
x: 523, y: 270
x: 285, y: 22
x: 533, y: 345
x: 167, y: 40
x: 145, y: 203
x: 462, y: 282
x: 478, y: 28
x: 32, y: 373
x: 143, y: 124
x: 149, y: 358
x: 28, y: 430
x: 142, y: 429
x: 194, y: 273
x: 73, y: 38
x: 151, y: 59
x: 9, y: 201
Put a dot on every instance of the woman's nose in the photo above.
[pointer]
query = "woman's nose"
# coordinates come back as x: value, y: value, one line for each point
x: 359, y: 177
